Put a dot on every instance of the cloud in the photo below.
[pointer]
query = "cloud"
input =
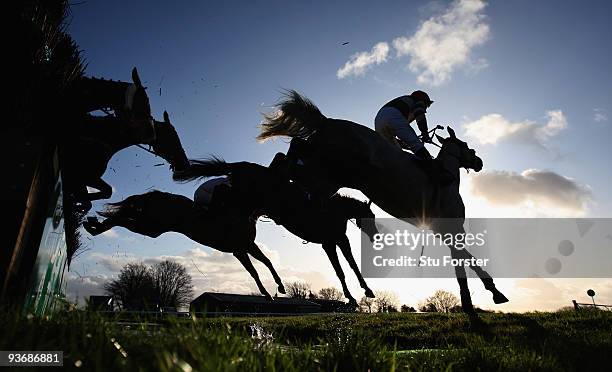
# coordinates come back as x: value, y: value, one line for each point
x: 358, y: 63
x: 600, y: 115
x: 545, y: 193
x: 445, y: 42
x: 113, y: 262
x: 111, y: 234
x: 81, y: 287
x: 494, y: 128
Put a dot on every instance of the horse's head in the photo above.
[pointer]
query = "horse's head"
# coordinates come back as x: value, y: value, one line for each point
x: 454, y: 147
x: 167, y: 144
x: 366, y: 220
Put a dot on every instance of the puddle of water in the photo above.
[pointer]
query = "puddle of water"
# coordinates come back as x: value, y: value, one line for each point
x: 261, y: 335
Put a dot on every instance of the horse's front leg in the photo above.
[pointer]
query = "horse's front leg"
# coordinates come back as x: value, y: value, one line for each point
x: 487, y: 280
x: 345, y: 248
x: 95, y: 227
x: 464, y: 290
x: 330, y: 249
x: 78, y: 197
x: 243, y: 257
x: 105, y: 190
x: 257, y: 254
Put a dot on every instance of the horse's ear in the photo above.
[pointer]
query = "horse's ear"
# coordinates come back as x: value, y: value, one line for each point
x: 440, y: 138
x: 166, y: 117
x: 136, y: 78
x: 451, y: 132
x: 369, y: 204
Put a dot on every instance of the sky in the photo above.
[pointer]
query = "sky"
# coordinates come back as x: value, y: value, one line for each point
x: 527, y: 84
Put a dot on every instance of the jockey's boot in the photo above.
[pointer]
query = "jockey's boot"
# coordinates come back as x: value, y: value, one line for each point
x: 438, y: 175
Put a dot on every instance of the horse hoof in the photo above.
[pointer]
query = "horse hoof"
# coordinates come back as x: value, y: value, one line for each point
x: 369, y: 293
x: 352, y: 303
x: 499, y: 297
x: 281, y: 289
x: 89, y: 227
x: 83, y: 207
x: 268, y: 297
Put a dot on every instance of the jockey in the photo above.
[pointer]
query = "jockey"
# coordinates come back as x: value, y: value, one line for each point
x: 393, y: 123
x: 394, y: 118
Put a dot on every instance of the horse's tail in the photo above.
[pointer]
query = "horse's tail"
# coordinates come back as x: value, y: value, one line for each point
x: 202, y: 169
x: 118, y: 208
x: 296, y: 116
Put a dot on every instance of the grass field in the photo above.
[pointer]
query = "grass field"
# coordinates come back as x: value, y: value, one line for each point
x: 377, y: 342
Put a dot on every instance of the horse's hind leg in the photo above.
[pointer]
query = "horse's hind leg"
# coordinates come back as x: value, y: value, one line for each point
x: 248, y: 265
x: 257, y: 254
x: 345, y: 248
x: 330, y: 249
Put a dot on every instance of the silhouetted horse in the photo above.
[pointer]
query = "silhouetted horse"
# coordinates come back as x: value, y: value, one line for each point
x: 86, y: 155
x: 127, y: 101
x: 93, y: 140
x: 346, y: 154
x: 267, y: 190
x: 156, y: 212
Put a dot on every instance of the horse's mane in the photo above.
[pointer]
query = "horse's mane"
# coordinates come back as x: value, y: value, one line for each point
x: 347, y: 204
x: 295, y: 116
x: 202, y: 168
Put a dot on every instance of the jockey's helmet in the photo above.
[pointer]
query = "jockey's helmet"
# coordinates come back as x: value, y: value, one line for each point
x: 419, y: 95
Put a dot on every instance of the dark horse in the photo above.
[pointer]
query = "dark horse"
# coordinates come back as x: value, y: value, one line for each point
x: 126, y: 101
x: 93, y: 140
x: 231, y: 229
x: 267, y: 190
x: 341, y: 153
x: 156, y: 212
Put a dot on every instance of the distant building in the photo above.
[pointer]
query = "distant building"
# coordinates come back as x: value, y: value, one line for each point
x: 236, y: 303
x: 333, y: 306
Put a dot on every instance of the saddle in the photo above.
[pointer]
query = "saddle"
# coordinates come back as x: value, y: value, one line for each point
x: 213, y: 193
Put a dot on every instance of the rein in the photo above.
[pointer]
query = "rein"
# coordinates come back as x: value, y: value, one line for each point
x: 149, y: 150
x: 433, y: 131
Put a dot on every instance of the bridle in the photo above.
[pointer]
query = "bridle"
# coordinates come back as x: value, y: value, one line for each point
x: 431, y: 134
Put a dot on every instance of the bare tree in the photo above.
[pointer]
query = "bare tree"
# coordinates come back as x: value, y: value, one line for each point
x: 366, y: 304
x: 298, y: 289
x: 331, y: 293
x: 441, y: 301
x: 141, y: 287
x: 385, y: 301
x: 133, y: 288
x: 172, y: 284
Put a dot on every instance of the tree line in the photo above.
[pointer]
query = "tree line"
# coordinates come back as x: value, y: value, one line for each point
x: 167, y: 284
